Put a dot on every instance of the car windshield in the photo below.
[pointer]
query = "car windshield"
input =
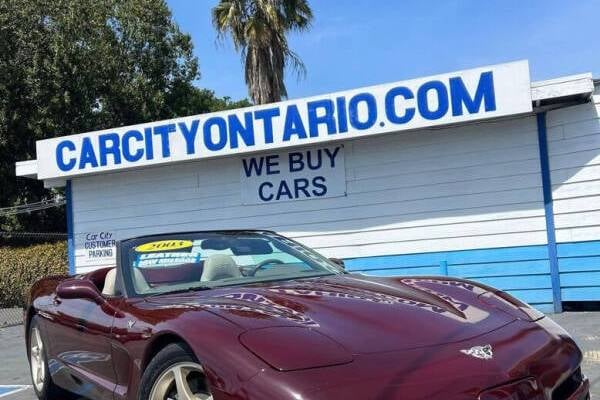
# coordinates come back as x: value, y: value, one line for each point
x: 188, y: 261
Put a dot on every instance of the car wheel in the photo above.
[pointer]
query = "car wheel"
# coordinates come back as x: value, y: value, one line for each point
x: 174, y: 373
x: 43, y: 386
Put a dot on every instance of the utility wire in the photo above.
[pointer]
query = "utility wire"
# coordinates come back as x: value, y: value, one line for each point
x: 58, y: 201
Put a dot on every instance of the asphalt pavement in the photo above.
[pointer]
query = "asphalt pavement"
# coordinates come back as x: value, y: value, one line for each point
x: 14, y: 369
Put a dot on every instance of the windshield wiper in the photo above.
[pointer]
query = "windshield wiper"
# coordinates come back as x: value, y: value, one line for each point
x: 189, y: 289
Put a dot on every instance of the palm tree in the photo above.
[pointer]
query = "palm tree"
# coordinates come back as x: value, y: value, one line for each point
x: 258, y: 29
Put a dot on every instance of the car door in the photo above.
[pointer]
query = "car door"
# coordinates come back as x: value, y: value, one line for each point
x: 81, y: 345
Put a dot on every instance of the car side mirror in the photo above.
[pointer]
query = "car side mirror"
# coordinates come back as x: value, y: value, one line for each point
x: 338, y: 261
x: 78, y: 289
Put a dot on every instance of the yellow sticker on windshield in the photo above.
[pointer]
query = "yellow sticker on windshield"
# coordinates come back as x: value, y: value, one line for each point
x: 164, y: 245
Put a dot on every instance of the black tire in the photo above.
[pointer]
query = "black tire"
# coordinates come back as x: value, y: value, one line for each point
x: 172, y: 354
x: 48, y: 391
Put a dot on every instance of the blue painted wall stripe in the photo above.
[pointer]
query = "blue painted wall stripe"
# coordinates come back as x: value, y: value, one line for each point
x: 520, y: 271
x: 462, y: 257
x: 545, y: 308
x: 70, y: 236
x: 579, y: 249
x: 513, y: 268
x: 443, y: 267
x: 581, y: 293
x: 579, y: 265
x: 523, y: 271
x: 580, y: 279
x: 549, y: 210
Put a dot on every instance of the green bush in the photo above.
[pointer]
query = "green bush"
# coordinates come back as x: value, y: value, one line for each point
x: 20, y: 267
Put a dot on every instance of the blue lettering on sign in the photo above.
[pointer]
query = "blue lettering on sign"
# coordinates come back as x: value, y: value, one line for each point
x: 245, y: 131
x: 127, y: 137
x: 253, y: 165
x: 369, y: 101
x: 272, y: 162
x: 331, y: 155
x: 291, y: 187
x: 484, y: 92
x: 319, y: 184
x: 189, y: 134
x: 109, y: 144
x: 288, y: 122
x: 293, y: 124
x: 163, y: 131
x: 221, y: 126
x: 327, y: 117
x: 149, y: 144
x: 298, y: 188
x: 262, y: 190
x: 296, y: 162
x: 60, y: 155
x: 87, y: 154
x: 390, y: 105
x: 267, y: 117
x: 441, y: 94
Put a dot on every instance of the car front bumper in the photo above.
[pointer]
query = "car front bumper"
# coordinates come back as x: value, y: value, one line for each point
x: 541, y: 351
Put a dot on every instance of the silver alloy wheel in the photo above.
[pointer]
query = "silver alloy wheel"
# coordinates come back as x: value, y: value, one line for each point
x: 182, y: 381
x: 37, y: 358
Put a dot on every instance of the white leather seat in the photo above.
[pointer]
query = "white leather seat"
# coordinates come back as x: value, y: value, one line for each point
x: 110, y: 283
x: 139, y: 282
x: 219, y: 266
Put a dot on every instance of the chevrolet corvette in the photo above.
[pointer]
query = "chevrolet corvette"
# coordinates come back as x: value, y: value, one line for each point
x: 238, y: 315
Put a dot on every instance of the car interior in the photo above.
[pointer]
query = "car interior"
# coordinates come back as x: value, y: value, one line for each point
x: 223, y: 260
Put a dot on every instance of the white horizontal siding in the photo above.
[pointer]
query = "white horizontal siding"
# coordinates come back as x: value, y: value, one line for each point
x: 574, y: 150
x: 466, y: 187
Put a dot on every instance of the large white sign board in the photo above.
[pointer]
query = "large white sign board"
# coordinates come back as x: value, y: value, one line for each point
x: 469, y: 95
x: 300, y: 174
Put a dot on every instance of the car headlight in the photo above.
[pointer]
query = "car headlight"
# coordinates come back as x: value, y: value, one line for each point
x: 290, y: 348
x: 523, y: 389
x: 511, y: 305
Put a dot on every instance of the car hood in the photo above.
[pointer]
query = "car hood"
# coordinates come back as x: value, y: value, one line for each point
x: 363, y: 314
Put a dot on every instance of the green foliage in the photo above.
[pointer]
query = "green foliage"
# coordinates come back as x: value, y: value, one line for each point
x: 73, y: 66
x: 258, y: 29
x: 20, y: 267
x: 203, y: 100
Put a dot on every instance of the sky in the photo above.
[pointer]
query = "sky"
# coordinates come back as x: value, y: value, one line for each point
x: 356, y: 43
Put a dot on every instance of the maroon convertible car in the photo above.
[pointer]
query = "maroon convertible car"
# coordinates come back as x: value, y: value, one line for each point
x: 254, y: 315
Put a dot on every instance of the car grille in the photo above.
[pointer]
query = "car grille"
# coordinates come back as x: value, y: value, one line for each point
x: 568, y: 386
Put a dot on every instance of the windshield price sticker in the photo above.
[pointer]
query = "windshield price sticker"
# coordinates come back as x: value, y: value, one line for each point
x: 164, y: 245
x: 165, y: 259
x: 296, y: 175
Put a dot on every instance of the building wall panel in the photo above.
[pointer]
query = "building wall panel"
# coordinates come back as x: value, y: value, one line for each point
x: 574, y: 151
x: 470, y: 187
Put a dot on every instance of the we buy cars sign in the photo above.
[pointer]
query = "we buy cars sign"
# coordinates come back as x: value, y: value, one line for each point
x: 301, y: 174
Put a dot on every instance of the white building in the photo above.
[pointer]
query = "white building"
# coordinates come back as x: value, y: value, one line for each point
x: 479, y: 174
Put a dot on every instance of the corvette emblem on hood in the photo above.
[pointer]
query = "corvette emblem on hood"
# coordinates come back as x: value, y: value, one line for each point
x: 482, y: 352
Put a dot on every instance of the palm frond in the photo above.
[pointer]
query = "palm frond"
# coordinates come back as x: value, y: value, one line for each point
x: 258, y: 29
